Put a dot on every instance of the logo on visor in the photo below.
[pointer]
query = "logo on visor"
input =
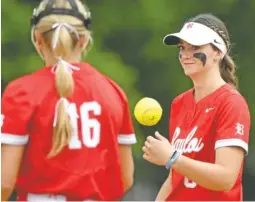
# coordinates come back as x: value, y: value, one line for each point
x: 190, y: 25
x: 215, y: 41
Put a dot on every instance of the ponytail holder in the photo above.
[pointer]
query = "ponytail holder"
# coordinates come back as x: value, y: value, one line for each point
x: 67, y: 66
x: 58, y: 27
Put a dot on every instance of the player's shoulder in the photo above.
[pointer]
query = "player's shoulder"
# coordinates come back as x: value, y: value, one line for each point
x: 24, y: 83
x: 95, y: 72
x: 110, y: 87
x: 117, y: 89
x: 231, y: 96
x: 88, y: 69
x: 17, y: 84
x: 109, y: 84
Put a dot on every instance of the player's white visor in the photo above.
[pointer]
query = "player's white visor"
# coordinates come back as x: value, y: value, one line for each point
x: 196, y: 34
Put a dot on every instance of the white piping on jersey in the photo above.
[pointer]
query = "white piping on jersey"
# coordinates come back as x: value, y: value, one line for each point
x: 232, y: 142
x: 14, y: 139
x: 127, y: 139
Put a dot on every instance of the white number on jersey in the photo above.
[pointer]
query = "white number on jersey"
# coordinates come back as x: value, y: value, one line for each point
x: 2, y: 120
x: 189, y: 184
x: 90, y: 128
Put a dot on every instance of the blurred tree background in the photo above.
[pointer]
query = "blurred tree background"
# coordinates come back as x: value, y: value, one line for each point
x: 128, y: 48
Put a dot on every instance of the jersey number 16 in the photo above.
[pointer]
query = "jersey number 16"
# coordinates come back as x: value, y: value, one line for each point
x: 90, y: 127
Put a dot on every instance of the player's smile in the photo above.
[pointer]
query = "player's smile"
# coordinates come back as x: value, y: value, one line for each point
x: 188, y: 63
x: 188, y: 60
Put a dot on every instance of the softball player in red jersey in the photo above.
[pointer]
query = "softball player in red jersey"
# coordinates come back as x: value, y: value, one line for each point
x: 66, y: 128
x: 209, y: 124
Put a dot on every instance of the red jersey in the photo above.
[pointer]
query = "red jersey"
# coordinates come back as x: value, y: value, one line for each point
x: 220, y: 119
x: 89, y: 167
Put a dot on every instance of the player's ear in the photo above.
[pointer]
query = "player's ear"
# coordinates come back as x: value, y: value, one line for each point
x: 38, y: 39
x: 218, y: 55
x: 83, y: 41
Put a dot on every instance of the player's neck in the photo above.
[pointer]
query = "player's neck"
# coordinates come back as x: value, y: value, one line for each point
x: 206, y: 84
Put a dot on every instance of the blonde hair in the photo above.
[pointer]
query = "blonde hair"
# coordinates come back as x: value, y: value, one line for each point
x: 64, y: 45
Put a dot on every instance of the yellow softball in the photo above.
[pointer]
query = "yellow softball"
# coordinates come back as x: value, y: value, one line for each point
x: 148, y: 111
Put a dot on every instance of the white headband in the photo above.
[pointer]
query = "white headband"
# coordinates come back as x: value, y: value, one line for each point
x: 196, y: 34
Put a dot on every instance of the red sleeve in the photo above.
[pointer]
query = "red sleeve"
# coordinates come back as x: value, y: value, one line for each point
x: 233, y: 123
x: 15, y: 115
x: 126, y: 134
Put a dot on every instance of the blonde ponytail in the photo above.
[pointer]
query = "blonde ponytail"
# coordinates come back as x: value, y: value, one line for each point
x: 61, y: 33
x: 62, y: 44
